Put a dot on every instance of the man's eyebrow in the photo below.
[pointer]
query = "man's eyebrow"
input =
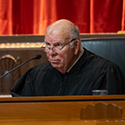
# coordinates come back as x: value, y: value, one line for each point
x: 59, y: 42
x: 46, y: 42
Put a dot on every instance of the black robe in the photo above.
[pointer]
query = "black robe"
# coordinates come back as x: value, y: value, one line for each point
x: 91, y: 72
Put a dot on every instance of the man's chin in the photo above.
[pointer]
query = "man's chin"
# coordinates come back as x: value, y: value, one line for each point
x: 54, y: 65
x: 57, y: 66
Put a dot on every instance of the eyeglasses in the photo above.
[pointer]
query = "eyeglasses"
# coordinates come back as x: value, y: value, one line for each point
x: 47, y: 48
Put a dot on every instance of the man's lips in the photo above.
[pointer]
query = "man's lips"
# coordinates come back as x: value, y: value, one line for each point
x: 54, y: 60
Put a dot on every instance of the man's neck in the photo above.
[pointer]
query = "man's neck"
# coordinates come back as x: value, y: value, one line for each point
x: 80, y: 54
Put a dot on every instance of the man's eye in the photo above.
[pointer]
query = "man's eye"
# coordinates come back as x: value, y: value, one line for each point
x: 58, y: 45
x: 47, y: 44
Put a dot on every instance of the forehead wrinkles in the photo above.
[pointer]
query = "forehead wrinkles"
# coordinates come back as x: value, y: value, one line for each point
x: 53, y: 37
x: 59, y: 32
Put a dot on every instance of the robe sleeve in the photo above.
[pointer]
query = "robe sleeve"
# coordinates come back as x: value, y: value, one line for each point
x: 112, y: 80
x: 23, y: 87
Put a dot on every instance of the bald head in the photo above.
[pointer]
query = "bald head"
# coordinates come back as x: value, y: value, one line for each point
x: 64, y: 28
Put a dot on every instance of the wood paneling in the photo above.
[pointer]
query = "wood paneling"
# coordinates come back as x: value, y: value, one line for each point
x: 55, y: 110
x: 61, y: 108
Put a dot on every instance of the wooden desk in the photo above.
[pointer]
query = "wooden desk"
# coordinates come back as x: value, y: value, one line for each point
x: 55, y: 110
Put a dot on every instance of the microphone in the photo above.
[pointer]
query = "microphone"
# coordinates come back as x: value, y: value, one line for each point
x: 36, y: 57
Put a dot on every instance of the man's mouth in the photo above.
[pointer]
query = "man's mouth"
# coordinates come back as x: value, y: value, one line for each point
x: 54, y: 60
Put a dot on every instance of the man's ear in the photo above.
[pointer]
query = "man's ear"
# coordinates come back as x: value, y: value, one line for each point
x: 76, y: 46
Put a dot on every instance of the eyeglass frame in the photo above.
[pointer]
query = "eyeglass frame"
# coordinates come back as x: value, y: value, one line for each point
x: 51, y: 48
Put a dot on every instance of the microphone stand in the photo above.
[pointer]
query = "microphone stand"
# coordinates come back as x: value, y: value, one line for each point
x: 37, y: 57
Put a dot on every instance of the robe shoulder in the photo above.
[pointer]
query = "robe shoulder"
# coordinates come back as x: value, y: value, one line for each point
x: 17, y: 90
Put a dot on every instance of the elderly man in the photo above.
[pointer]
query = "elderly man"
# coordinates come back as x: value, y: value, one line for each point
x: 70, y: 69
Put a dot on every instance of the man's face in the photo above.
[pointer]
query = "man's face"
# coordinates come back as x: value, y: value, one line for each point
x: 61, y: 59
